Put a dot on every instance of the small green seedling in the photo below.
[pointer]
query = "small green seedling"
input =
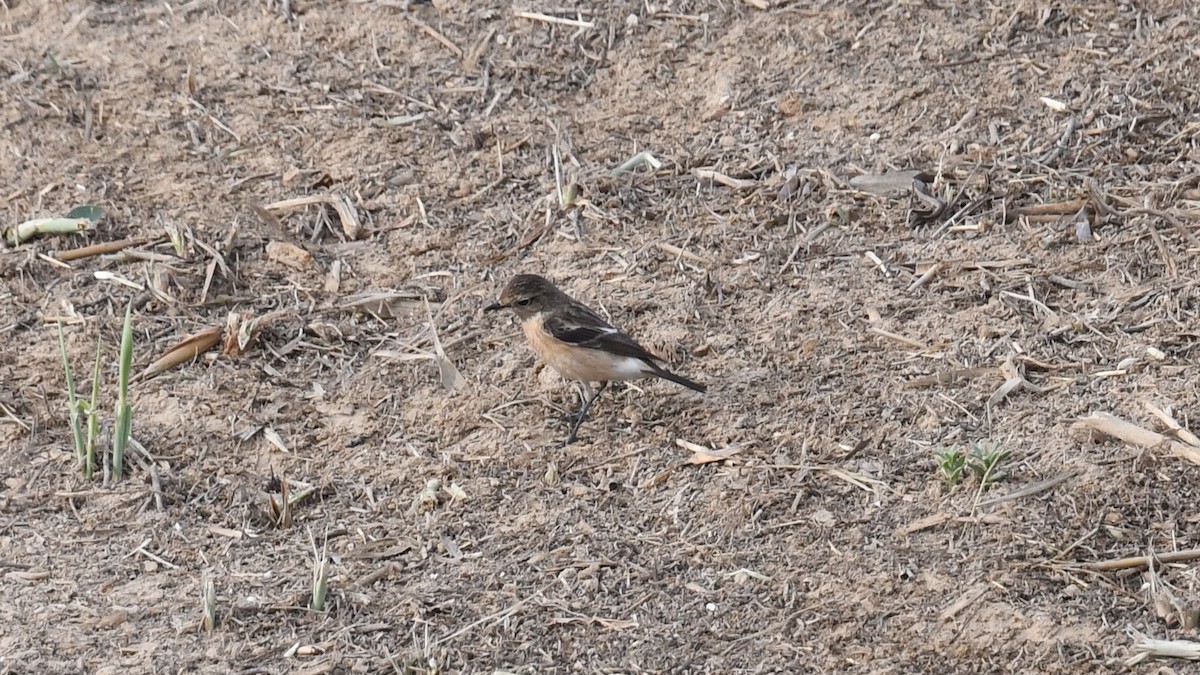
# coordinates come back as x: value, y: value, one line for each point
x: 985, y: 462
x: 124, y: 412
x: 209, y: 594
x: 85, y: 415
x: 92, y: 410
x: 320, y: 585
x: 73, y: 402
x: 178, y: 243
x: 951, y: 463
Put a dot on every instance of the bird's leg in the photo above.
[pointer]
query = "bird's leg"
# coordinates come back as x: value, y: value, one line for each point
x: 587, y: 404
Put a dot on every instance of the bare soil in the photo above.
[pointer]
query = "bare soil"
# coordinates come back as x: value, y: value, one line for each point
x: 837, y: 367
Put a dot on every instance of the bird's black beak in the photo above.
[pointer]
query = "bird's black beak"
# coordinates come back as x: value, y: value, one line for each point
x: 493, y: 307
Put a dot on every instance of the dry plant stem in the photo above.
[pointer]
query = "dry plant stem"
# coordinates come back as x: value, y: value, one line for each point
x: 1144, y: 561
x: 72, y: 402
x: 1063, y: 142
x: 1169, y: 422
x: 436, y: 36
x: 972, y: 596
x: 671, y: 249
x: 1011, y: 385
x: 924, y: 278
x: 898, y: 338
x: 340, y: 204
x: 96, y: 249
x: 1108, y: 425
x: 1171, y: 649
x: 559, y: 188
x: 1055, y: 209
x: 983, y: 483
x: 1175, y: 222
x: 1161, y: 246
x: 538, y: 16
x: 1030, y: 490
x: 718, y: 177
x: 8, y: 412
x: 636, y: 161
x: 1097, y: 199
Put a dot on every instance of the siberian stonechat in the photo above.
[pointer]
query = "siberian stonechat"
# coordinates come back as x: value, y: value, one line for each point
x: 577, y: 342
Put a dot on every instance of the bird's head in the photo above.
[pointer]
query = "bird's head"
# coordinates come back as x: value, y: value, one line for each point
x: 526, y: 294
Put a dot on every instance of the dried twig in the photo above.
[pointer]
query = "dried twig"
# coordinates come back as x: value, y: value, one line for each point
x: 458, y: 52
x: 1108, y: 425
x: 1176, y: 429
x: 340, y: 204
x: 96, y: 249
x: 671, y: 249
x: 538, y: 16
x: 929, y: 274
x: 1144, y: 561
x: 1032, y: 489
x: 898, y: 338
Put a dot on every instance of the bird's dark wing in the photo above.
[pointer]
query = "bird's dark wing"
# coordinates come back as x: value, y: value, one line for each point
x: 577, y: 325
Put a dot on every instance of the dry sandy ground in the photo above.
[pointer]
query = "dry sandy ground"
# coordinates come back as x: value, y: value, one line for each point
x: 839, y: 364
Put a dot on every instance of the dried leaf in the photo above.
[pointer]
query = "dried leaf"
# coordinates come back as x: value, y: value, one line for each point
x: 241, y: 331
x: 275, y: 439
x: 347, y: 216
x: 229, y: 346
x: 451, y: 378
x: 885, y: 183
x: 457, y: 494
x: 187, y: 350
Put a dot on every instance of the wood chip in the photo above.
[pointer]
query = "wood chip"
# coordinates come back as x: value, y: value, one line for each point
x: 289, y: 254
x: 921, y: 524
x: 970, y: 597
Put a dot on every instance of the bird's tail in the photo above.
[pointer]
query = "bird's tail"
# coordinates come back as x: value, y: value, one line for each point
x: 678, y: 379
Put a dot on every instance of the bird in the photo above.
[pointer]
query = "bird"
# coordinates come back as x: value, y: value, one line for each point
x: 574, y: 340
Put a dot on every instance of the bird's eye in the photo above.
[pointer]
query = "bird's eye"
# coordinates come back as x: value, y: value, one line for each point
x: 524, y: 302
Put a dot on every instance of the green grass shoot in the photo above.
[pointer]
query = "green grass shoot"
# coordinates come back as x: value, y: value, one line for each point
x: 320, y: 585
x: 91, y: 408
x: 72, y: 402
x: 124, y: 414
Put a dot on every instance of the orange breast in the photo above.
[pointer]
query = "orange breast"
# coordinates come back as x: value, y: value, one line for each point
x: 580, y: 363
